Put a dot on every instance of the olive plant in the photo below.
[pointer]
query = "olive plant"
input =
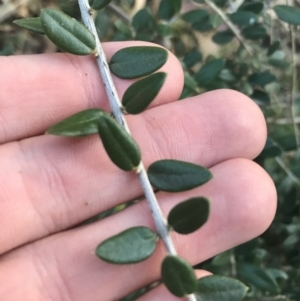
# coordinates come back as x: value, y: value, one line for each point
x: 138, y: 243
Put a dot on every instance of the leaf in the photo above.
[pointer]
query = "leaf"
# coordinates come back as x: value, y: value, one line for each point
x: 131, y: 246
x: 192, y: 57
x: 32, y: 24
x: 80, y: 124
x: 168, y: 8
x: 138, y: 61
x: 288, y: 14
x: 216, y: 288
x: 209, y: 72
x: 223, y: 37
x: 176, y: 176
x: 243, y: 18
x: 260, y: 97
x: 258, y: 277
x: 273, y: 47
x: 178, y: 276
x: 99, y: 4
x: 102, y: 23
x: 190, y: 215
x: 119, y: 145
x: 254, y: 32
x: 67, y: 33
x: 139, y: 95
x: 270, y: 150
x: 254, y: 7
x: 199, y: 20
x: 261, y: 79
x: 143, y: 20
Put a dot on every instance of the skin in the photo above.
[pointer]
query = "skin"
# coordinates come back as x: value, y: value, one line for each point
x: 51, y: 184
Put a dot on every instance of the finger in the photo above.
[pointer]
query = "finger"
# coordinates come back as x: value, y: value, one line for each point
x: 50, y: 183
x: 40, y: 90
x: 243, y: 201
x: 161, y: 293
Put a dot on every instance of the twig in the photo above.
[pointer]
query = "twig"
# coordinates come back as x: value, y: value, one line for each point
x: 230, y: 25
x: 119, y: 12
x: 116, y: 108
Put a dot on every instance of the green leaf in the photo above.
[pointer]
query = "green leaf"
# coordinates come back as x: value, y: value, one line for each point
x: 130, y: 246
x: 217, y: 288
x: 199, y: 20
x: 119, y: 145
x: 190, y: 215
x: 258, y: 277
x: 273, y: 47
x: 67, y: 33
x: 243, y: 18
x: 80, y: 124
x: 178, y: 276
x: 102, y: 23
x: 288, y: 14
x: 254, y: 32
x: 176, y: 176
x: 139, y: 95
x: 209, y: 72
x: 168, y: 8
x: 261, y: 79
x: 32, y: 24
x: 254, y: 7
x: 138, y: 61
x: 270, y: 150
x: 143, y: 20
x: 223, y: 37
x: 192, y: 57
x: 99, y: 4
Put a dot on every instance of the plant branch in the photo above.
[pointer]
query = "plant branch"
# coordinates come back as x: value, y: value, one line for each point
x: 235, y: 30
x: 116, y: 108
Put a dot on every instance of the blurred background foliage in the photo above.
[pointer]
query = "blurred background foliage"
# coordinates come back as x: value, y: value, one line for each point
x: 238, y: 44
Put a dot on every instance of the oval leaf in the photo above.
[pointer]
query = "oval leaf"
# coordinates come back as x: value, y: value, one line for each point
x: 168, y: 8
x: 216, y: 288
x: 223, y: 37
x: 119, y: 145
x: 178, y: 276
x: 130, y: 246
x: 254, y: 7
x: 67, y: 33
x: 80, y: 124
x: 99, y: 4
x: 139, y: 95
x: 254, y: 32
x: 32, y: 24
x: 190, y: 215
x: 288, y: 14
x: 138, y: 61
x: 209, y: 72
x: 176, y: 176
x: 243, y: 18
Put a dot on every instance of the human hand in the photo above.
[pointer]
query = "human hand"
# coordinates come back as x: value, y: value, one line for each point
x: 51, y: 184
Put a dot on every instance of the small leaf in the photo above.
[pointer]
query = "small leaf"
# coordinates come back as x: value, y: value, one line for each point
x: 270, y: 150
x: 139, y: 95
x: 119, y: 145
x: 261, y: 79
x: 254, y: 32
x: 189, y: 216
x: 260, y: 97
x: 131, y: 246
x: 288, y: 14
x: 209, y: 72
x: 80, y: 124
x: 223, y: 37
x: 67, y: 33
x: 243, y: 18
x: 99, y: 4
x: 138, y: 61
x: 199, y: 20
x: 254, y: 7
x: 32, y: 24
x: 178, y: 276
x: 168, y: 8
x: 216, y: 288
x: 192, y: 57
x: 143, y: 20
x: 176, y: 176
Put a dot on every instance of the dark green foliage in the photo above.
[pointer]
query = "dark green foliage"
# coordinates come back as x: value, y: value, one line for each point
x: 33, y: 24
x: 223, y: 37
x: 243, y: 18
x: 67, y: 33
x: 139, y: 95
x: 270, y: 150
x: 178, y: 276
x: 168, y: 8
x: 80, y: 124
x: 254, y: 7
x: 130, y: 246
x: 189, y: 216
x: 99, y: 4
x: 176, y: 176
x: 199, y: 20
x: 261, y: 79
x: 288, y: 14
x: 217, y: 288
x: 193, y: 57
x: 260, y: 97
x: 255, y: 32
x: 143, y: 21
x: 134, y: 62
x: 119, y: 145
